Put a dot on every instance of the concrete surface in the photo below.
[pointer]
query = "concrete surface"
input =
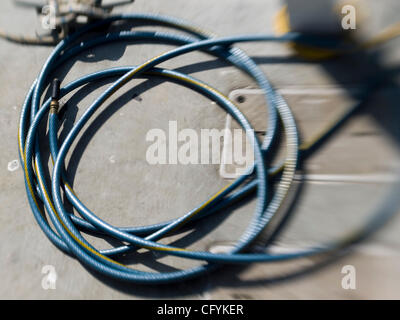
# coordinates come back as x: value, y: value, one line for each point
x: 344, y: 181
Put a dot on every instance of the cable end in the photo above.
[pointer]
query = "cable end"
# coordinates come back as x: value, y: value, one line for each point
x: 55, y: 90
x: 55, y: 96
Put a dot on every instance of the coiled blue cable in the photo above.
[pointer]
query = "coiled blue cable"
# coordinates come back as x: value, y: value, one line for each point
x: 68, y: 227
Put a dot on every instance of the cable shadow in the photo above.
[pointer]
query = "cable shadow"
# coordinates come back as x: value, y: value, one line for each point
x: 225, y: 276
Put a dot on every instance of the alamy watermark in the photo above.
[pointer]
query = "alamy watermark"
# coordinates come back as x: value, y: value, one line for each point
x: 211, y: 146
x: 349, y: 19
x: 349, y: 280
x: 48, y: 19
x: 50, y: 278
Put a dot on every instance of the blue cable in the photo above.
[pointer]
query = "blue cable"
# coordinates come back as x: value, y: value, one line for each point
x: 68, y: 227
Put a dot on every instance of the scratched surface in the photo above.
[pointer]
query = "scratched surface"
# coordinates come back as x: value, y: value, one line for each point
x: 343, y: 182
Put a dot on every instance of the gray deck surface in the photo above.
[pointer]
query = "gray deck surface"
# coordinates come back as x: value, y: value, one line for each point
x: 344, y: 182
